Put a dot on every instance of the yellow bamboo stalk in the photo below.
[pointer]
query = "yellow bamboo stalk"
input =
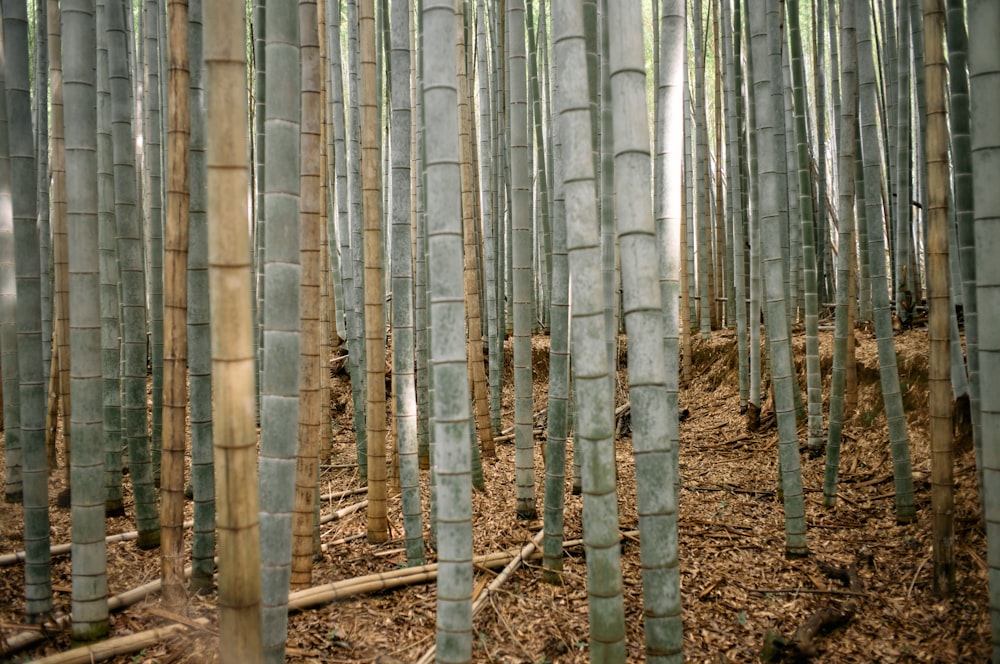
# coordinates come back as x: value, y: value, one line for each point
x: 122, y: 645
x: 371, y: 200
x: 310, y: 406
x: 233, y: 366
x: 474, y: 344
x: 940, y: 402
x: 175, y: 352
x: 383, y: 581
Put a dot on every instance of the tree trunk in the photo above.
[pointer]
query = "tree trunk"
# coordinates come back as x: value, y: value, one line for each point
x: 110, y: 304
x: 522, y: 262
x: 888, y: 370
x: 734, y: 157
x: 984, y: 88
x: 783, y: 378
x: 371, y: 179
x: 559, y: 378
x: 133, y: 285
x: 59, y: 249
x: 199, y: 342
x: 13, y: 452
x: 402, y: 285
x: 152, y: 141
x: 814, y: 390
x: 654, y: 450
x: 477, y: 370
x: 958, y: 117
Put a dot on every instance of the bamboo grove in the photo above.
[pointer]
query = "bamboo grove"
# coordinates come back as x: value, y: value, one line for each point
x: 215, y: 196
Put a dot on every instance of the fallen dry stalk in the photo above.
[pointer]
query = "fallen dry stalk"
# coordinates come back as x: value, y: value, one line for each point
x: 8, y: 559
x: 344, y: 511
x: 329, y: 592
x: 343, y: 494
x: 122, y: 645
x: 17, y: 557
x: 27, y: 639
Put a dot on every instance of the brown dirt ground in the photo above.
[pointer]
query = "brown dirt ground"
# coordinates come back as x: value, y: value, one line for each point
x: 737, y: 583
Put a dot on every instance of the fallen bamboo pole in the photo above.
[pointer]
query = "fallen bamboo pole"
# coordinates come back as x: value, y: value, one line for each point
x: 343, y: 494
x: 405, y: 576
x: 344, y: 511
x: 8, y: 559
x: 27, y: 639
x: 343, y: 540
x: 121, y: 645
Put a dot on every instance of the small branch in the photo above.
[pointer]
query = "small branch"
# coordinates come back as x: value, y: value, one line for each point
x: 803, y: 642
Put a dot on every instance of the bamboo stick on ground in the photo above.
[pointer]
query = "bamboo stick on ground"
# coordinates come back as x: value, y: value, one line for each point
x: 8, y: 559
x: 122, y: 645
x: 345, y: 511
x: 27, y: 639
x: 329, y: 592
x: 343, y: 494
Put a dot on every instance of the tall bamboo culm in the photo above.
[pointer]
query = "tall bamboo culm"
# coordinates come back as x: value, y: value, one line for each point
x: 371, y: 199
x: 233, y: 366
x: 38, y: 585
x: 938, y: 332
x: 311, y: 233
x: 175, y: 343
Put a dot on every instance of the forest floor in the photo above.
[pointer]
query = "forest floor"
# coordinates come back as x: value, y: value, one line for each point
x: 737, y: 584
